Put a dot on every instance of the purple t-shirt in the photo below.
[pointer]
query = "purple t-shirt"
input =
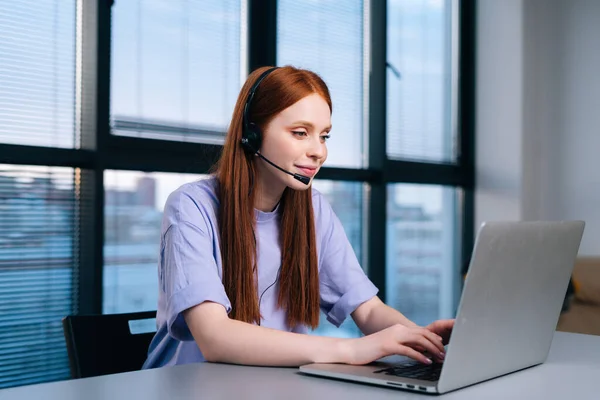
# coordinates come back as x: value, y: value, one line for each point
x: 189, y: 269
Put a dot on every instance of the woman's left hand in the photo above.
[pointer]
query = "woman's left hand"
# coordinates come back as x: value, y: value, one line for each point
x: 443, y: 328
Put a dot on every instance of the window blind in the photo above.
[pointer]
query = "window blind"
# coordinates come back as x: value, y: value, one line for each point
x: 422, y: 69
x: 327, y: 37
x: 38, y: 240
x: 176, y: 68
x: 37, y: 72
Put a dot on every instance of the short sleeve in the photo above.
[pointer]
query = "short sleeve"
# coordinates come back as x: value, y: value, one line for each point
x: 343, y: 283
x: 189, y: 274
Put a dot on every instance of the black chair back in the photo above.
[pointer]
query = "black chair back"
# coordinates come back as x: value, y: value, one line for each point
x: 105, y: 344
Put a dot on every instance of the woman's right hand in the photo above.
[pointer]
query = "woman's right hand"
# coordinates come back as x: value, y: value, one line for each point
x: 396, y: 340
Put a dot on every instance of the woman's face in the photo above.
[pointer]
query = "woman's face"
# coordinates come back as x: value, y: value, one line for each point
x: 295, y: 140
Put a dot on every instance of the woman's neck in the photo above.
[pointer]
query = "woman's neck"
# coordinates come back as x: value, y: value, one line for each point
x: 267, y: 197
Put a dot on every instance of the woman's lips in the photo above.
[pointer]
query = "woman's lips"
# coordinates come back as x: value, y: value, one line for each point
x: 307, y: 171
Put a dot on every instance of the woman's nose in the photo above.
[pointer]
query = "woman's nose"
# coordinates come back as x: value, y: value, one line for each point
x: 317, y: 149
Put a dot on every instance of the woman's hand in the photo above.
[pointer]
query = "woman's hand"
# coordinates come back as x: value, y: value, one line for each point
x: 443, y: 328
x: 397, y: 339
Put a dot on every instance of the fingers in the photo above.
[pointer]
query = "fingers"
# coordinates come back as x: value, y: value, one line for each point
x: 443, y: 327
x: 412, y: 353
x: 420, y: 344
x: 430, y: 346
x: 443, y: 323
x: 418, y: 348
x: 434, y: 339
x: 421, y: 340
x: 436, y: 357
x: 447, y: 323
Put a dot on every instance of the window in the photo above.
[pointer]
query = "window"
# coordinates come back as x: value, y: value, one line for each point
x: 422, y: 248
x: 133, y: 206
x: 76, y: 131
x: 327, y: 37
x: 40, y: 206
x: 421, y: 83
x: 176, y: 68
x: 346, y: 199
x: 38, y: 246
x: 37, y: 73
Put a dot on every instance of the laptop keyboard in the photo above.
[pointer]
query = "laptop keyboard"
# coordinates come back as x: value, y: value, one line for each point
x: 416, y: 371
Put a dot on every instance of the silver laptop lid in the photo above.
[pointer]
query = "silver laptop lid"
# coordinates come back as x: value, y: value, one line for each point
x: 511, y: 300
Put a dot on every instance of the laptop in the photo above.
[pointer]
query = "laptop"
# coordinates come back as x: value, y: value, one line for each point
x: 509, y: 308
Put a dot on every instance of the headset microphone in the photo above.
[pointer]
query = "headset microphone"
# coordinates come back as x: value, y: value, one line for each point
x: 301, y: 178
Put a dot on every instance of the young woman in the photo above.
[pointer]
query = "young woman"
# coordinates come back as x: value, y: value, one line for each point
x: 250, y: 256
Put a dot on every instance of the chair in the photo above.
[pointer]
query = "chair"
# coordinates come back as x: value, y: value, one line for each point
x: 105, y: 344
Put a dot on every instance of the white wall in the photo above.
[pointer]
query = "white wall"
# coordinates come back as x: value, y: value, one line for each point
x: 578, y: 186
x: 538, y: 113
x: 499, y: 125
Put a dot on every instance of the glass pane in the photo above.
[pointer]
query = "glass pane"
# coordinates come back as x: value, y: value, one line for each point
x: 422, y: 251
x: 38, y: 218
x: 327, y: 37
x: 176, y: 68
x: 421, y: 87
x: 37, y: 72
x: 134, y: 202
x: 346, y: 199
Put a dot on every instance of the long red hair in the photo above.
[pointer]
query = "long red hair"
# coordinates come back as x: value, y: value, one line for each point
x: 236, y: 171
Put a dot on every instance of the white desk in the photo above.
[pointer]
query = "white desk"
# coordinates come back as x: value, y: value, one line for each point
x: 572, y: 371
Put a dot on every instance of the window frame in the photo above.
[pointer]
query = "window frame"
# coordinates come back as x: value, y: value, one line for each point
x: 100, y: 150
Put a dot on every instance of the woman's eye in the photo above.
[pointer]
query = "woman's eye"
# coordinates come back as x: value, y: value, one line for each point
x: 299, y: 133
x: 325, y: 137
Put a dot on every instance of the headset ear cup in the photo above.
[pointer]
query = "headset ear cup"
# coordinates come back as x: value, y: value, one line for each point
x: 253, y: 137
x: 246, y: 143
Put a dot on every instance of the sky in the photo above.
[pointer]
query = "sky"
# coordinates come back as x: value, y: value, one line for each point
x: 181, y: 61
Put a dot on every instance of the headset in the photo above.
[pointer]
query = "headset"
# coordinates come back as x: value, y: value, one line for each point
x: 252, y: 135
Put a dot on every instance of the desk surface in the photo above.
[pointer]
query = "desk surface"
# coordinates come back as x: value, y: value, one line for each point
x: 572, y: 371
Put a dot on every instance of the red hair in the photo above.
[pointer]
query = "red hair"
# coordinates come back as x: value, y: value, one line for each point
x: 236, y: 170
